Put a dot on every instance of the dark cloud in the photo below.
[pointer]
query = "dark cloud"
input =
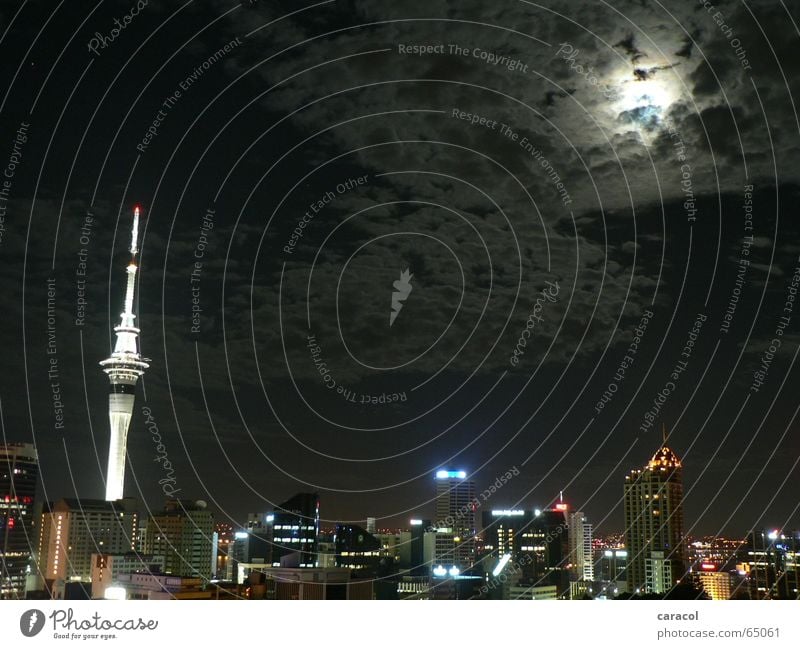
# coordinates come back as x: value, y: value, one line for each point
x: 628, y: 45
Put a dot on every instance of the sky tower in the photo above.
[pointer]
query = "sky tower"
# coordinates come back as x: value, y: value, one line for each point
x: 124, y: 367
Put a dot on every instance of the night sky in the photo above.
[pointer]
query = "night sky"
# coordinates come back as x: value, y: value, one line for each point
x: 588, y: 197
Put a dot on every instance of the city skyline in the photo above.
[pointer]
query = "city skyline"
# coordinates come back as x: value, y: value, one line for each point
x: 100, y: 549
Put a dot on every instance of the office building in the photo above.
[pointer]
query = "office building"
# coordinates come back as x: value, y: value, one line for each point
x: 580, y: 546
x: 251, y: 545
x: 295, y: 528
x: 422, y: 547
x: 501, y: 530
x: 612, y: 571
x: 654, y: 524
x: 72, y: 530
x: 19, y: 467
x: 455, y: 519
x: 183, y: 533
x: 397, y: 546
x: 546, y: 542
x: 359, y: 551
x: 225, y: 541
x: 773, y: 564
x: 326, y: 554
x: 526, y: 548
x: 716, y: 583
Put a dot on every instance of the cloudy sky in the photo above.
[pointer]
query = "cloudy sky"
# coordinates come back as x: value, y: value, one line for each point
x: 561, y: 180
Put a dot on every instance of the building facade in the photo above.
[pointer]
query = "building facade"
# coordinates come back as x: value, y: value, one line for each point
x: 455, y: 520
x: 716, y: 583
x: 526, y: 548
x: 72, y: 530
x: 653, y: 499
x: 107, y: 568
x: 773, y: 564
x: 183, y: 533
x: 611, y: 568
x: 19, y: 468
x: 580, y: 546
x: 295, y: 528
x: 358, y: 550
x: 422, y: 546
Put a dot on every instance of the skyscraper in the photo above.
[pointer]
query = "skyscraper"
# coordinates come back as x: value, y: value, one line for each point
x: 654, y: 524
x: 580, y: 545
x: 295, y: 528
x: 124, y: 367
x: 455, y: 519
x: 526, y: 548
x: 19, y: 467
x: 72, y: 530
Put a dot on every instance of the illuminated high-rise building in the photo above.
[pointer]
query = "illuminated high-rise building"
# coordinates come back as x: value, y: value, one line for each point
x: 580, y: 546
x: 654, y: 524
x: 19, y: 467
x: 72, y: 530
x: 124, y: 367
x: 526, y: 548
x: 455, y: 520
